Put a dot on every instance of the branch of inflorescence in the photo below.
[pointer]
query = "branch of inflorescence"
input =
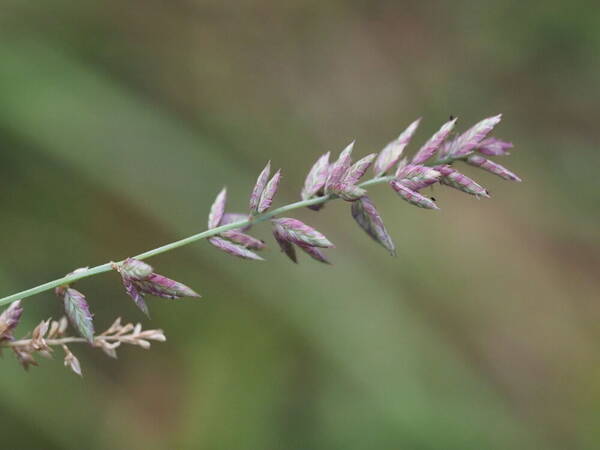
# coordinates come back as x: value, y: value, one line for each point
x: 107, y: 267
x: 324, y: 182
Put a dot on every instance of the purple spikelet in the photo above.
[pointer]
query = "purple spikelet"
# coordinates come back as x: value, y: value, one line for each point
x: 243, y: 239
x: 339, y: 168
x: 299, y: 233
x: 259, y: 187
x: 316, y: 178
x: 433, y: 144
x: 9, y: 319
x: 77, y: 310
x: 457, y: 180
x: 233, y: 249
x: 391, y: 153
x: 131, y: 288
x: 286, y: 242
x: 471, y: 138
x: 314, y: 253
x: 343, y: 176
x: 492, y: 167
x: 161, y: 286
x: 286, y: 246
x: 135, y: 269
x: 132, y: 271
x: 417, y: 177
x: 217, y: 209
x: 266, y: 198
x: 412, y: 197
x: 347, y: 191
x: 358, y: 169
x: 494, y: 147
x: 367, y: 217
x: 234, y: 242
x: 139, y: 279
x: 446, y: 148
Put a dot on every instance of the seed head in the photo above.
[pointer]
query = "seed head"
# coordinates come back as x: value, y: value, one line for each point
x: 161, y: 286
x: 358, y: 169
x: 316, y: 178
x: 417, y: 177
x: 259, y: 187
x: 9, y: 319
x: 315, y: 253
x: 494, y: 147
x: 292, y: 230
x: 266, y: 198
x: 412, y: 197
x: 339, y: 168
x: 492, y: 167
x: 433, y: 144
x: 347, y: 191
x: 133, y: 290
x: 134, y: 268
x: 391, y: 153
x: 78, y: 311
x: 471, y: 138
x: 217, y: 210
x: 368, y: 218
x: 286, y: 246
x: 455, y: 179
x: 139, y: 279
x: 233, y: 249
x: 243, y: 239
x: 71, y: 361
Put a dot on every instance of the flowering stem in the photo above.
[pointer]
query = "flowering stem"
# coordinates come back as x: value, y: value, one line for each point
x: 107, y: 267
x: 62, y: 341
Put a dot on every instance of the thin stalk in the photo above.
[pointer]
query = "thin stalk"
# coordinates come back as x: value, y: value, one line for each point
x: 62, y: 341
x: 107, y: 267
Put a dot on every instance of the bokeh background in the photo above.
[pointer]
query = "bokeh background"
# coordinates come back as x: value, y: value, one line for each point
x: 121, y: 120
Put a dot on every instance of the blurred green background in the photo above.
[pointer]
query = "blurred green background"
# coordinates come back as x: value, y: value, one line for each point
x: 119, y: 123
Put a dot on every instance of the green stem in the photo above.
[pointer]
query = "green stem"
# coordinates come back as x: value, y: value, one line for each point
x: 107, y: 267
